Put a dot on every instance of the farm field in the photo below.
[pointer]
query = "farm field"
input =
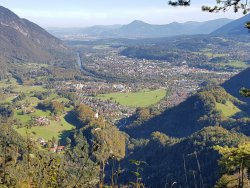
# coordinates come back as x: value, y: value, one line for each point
x: 228, y: 109
x: 54, y: 129
x: 56, y: 126
x: 28, y: 89
x: 237, y: 64
x: 143, y: 98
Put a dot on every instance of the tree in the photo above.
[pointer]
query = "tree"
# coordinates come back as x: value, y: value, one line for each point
x: 245, y: 92
x: 138, y: 179
x: 108, y: 143
x: 84, y: 114
x: 223, y: 5
x: 83, y: 172
x: 236, y: 159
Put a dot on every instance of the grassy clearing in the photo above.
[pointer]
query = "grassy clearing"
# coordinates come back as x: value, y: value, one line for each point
x: 139, y: 99
x: 24, y: 118
x: 55, y: 129
x: 236, y: 64
x: 212, y: 55
x: 228, y: 109
x: 101, y: 47
x: 29, y: 89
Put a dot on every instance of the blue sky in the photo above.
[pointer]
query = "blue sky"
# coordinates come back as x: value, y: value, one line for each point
x: 82, y: 13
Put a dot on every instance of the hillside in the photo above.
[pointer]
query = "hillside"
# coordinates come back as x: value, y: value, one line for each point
x: 164, y: 157
x: 237, y: 82
x: 236, y: 27
x: 209, y: 107
x: 24, y: 41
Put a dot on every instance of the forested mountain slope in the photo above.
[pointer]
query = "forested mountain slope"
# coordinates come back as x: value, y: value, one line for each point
x: 237, y: 82
x: 209, y: 107
x: 164, y: 158
x: 24, y: 41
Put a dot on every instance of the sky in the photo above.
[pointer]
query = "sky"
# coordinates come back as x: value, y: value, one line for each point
x: 84, y: 13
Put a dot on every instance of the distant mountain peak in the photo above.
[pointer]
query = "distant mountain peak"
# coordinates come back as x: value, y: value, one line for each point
x: 138, y: 22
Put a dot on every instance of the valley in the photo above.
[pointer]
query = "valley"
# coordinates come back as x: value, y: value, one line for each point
x: 111, y: 105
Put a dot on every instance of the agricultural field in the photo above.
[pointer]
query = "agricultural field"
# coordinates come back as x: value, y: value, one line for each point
x: 143, y: 98
x: 54, y: 129
x: 20, y: 88
x: 228, y: 109
x: 57, y: 126
x: 236, y: 64
x: 28, y: 89
x: 212, y: 55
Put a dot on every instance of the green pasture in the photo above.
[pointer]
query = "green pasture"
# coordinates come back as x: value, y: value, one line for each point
x: 236, y: 64
x: 54, y: 129
x: 138, y: 99
x: 228, y: 109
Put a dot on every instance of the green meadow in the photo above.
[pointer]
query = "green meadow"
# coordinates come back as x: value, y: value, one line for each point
x: 54, y: 129
x: 142, y: 98
x: 228, y: 109
x: 236, y: 64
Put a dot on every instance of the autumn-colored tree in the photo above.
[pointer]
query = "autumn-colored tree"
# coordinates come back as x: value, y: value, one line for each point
x: 84, y: 113
x: 57, y: 107
x: 236, y: 159
x: 109, y: 143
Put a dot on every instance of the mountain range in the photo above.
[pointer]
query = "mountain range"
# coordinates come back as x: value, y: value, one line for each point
x: 140, y: 29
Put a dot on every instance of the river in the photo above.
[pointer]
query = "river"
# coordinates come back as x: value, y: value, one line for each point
x: 79, y: 61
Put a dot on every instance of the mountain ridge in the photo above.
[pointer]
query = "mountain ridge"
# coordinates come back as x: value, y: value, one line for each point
x: 140, y: 29
x: 236, y: 27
